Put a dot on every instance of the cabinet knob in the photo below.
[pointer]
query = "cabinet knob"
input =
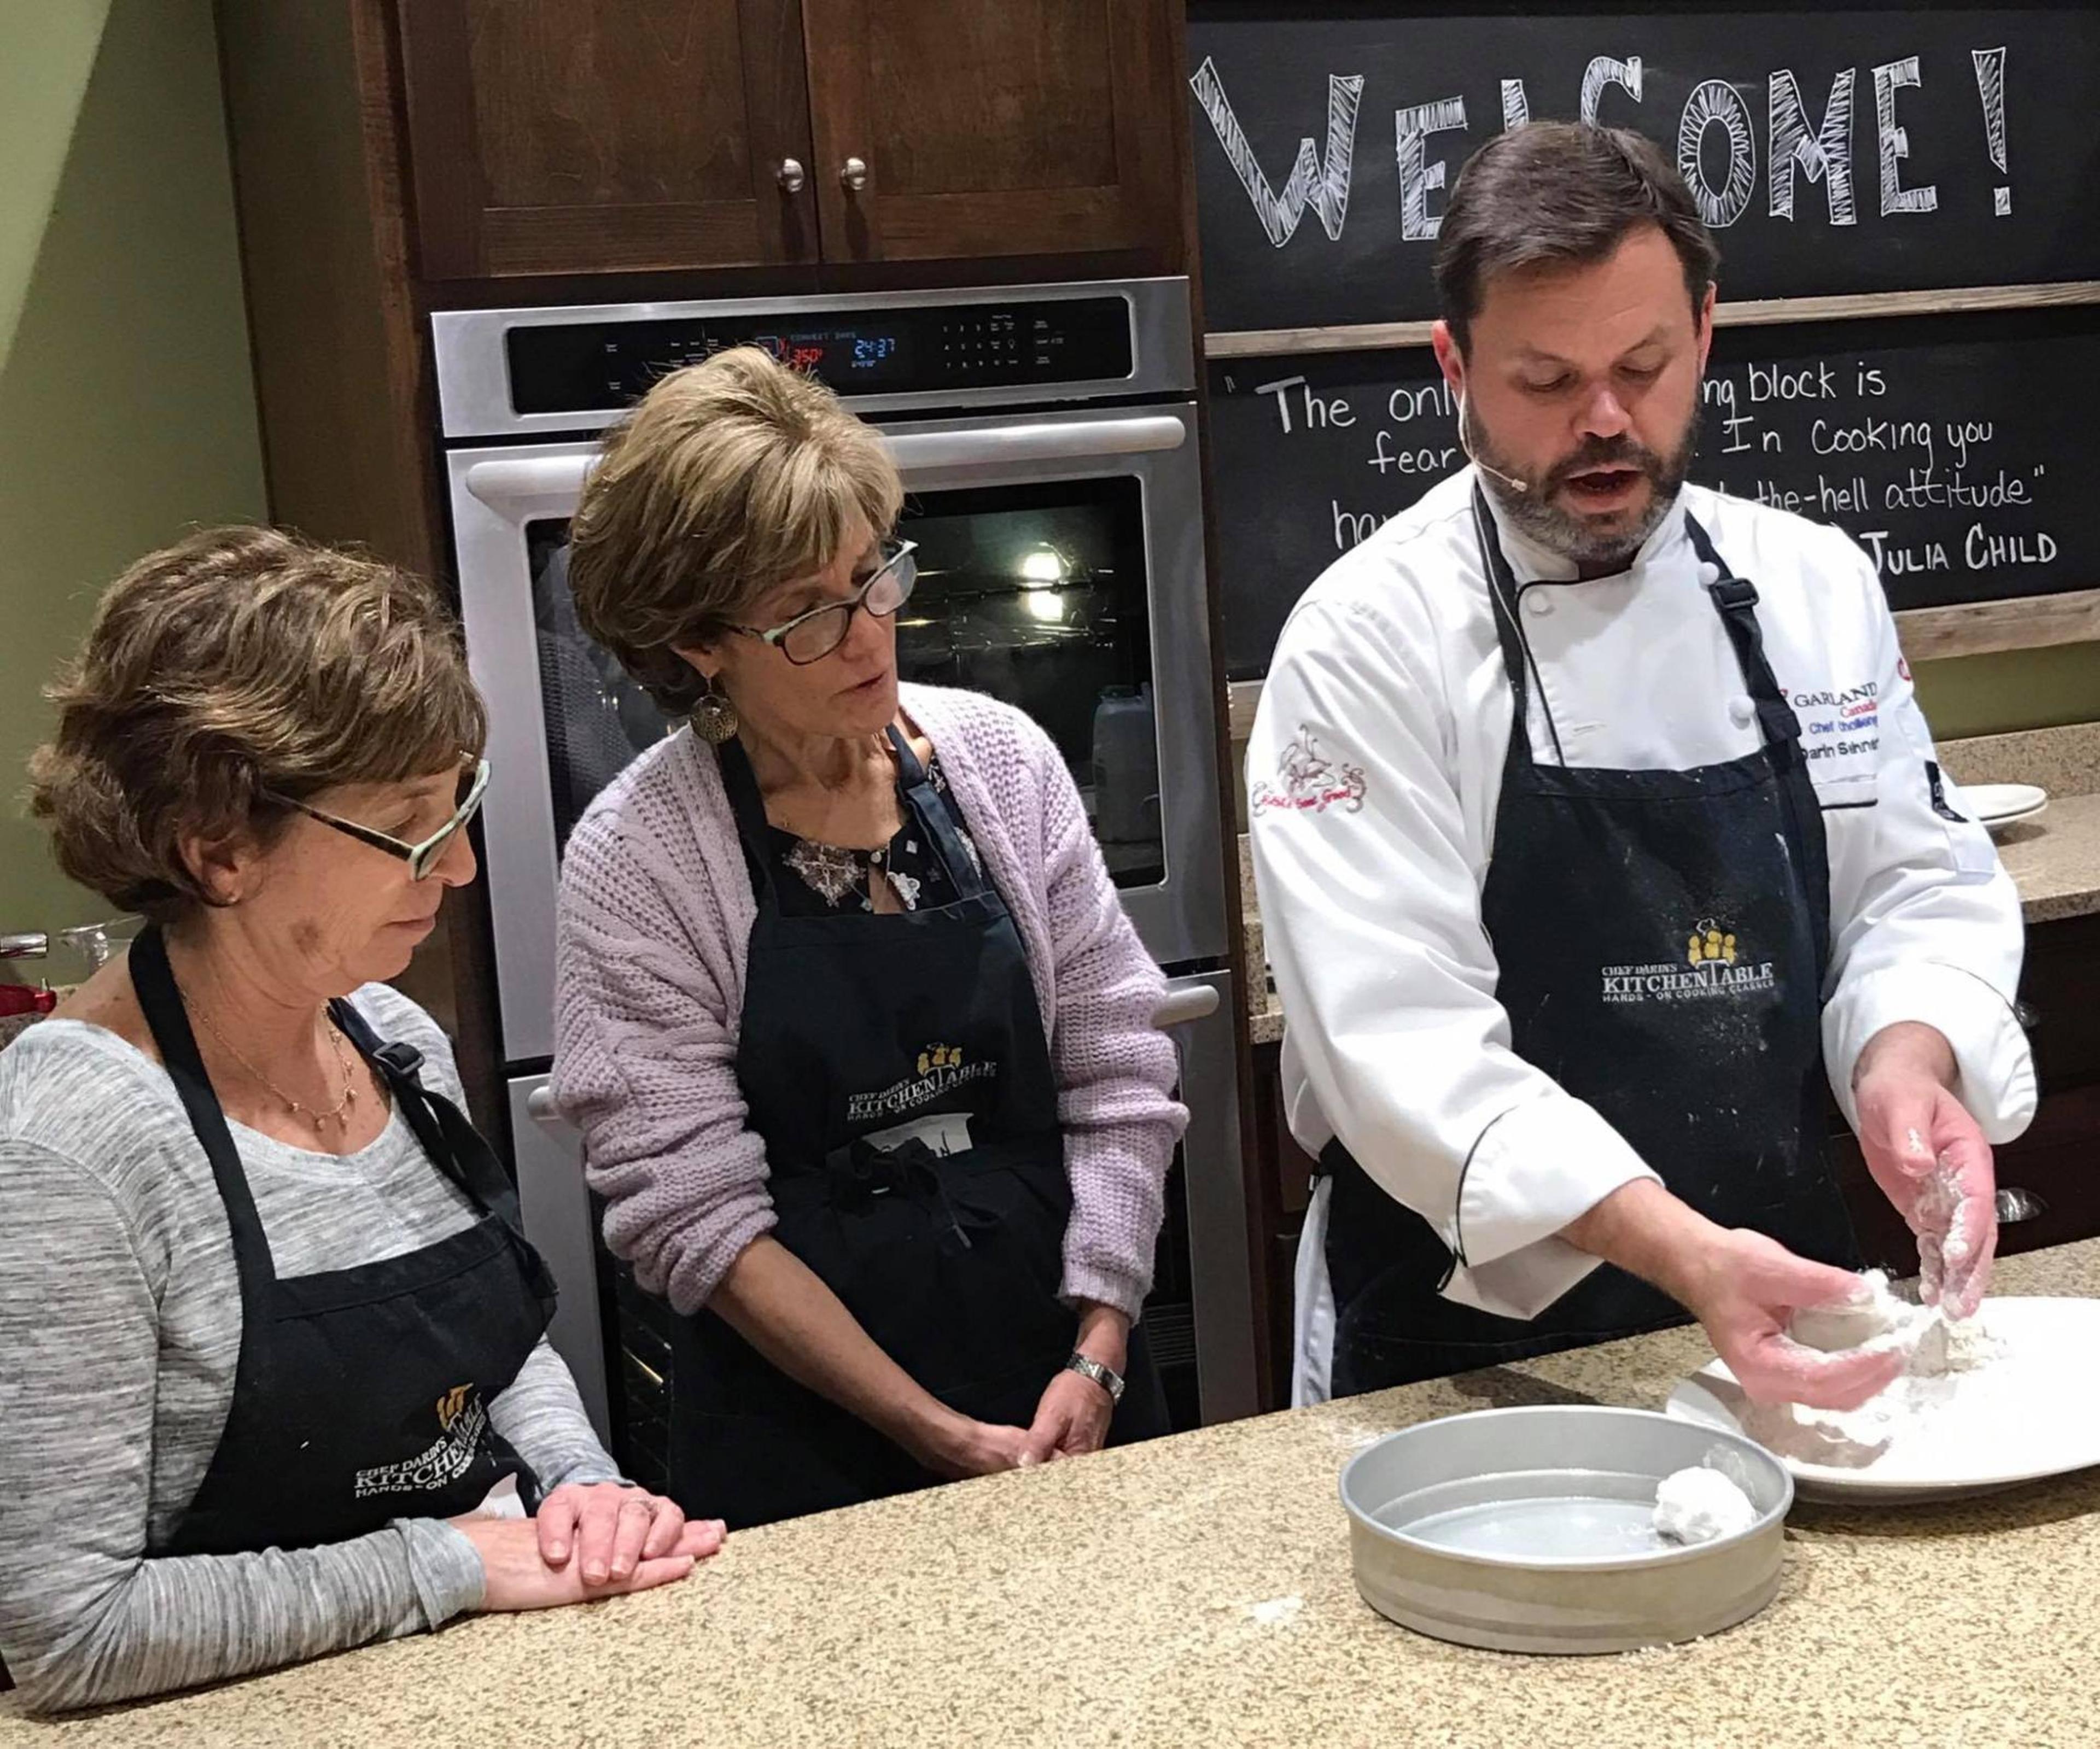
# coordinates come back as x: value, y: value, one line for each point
x: 852, y: 173
x: 791, y: 176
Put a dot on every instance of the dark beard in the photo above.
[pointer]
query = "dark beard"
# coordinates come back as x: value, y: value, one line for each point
x: 1533, y: 513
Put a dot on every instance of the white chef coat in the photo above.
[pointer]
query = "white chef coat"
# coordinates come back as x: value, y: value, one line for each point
x: 1375, y: 770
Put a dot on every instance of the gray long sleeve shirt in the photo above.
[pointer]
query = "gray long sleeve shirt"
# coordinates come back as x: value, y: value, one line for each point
x: 120, y: 1327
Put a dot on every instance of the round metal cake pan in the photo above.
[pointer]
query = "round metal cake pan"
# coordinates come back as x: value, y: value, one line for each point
x: 1526, y: 1530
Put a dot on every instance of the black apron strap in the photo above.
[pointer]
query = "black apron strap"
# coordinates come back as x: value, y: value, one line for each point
x: 1735, y: 599
x: 161, y: 1003
x: 454, y: 1146
x: 1502, y: 592
x: 934, y: 819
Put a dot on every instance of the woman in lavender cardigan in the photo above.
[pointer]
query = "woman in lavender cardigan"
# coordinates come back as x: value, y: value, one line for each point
x: 858, y: 1034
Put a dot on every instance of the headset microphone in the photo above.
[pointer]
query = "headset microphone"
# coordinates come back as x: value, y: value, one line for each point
x: 1511, y: 480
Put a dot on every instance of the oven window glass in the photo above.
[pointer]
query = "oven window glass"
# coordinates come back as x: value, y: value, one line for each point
x: 1034, y: 594
x: 597, y: 718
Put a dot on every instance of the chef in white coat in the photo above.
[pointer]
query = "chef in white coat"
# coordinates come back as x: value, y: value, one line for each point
x: 1595, y: 824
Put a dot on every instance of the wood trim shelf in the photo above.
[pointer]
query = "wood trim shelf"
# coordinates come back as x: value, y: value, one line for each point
x: 1929, y: 634
x: 1263, y: 342
x: 1977, y: 628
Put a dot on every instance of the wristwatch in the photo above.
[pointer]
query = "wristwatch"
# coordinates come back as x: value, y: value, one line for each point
x: 1107, y: 1377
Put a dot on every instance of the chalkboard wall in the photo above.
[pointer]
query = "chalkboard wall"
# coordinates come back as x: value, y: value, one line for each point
x: 1836, y: 149
x: 1952, y: 447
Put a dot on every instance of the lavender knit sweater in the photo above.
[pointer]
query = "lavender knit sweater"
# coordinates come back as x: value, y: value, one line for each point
x: 656, y: 911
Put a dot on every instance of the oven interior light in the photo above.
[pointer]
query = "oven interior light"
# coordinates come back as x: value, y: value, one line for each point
x: 1045, y: 604
x: 1041, y: 568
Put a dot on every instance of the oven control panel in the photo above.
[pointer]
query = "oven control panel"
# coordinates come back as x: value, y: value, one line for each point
x: 603, y: 366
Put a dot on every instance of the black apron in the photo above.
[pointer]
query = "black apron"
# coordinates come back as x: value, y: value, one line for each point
x: 360, y: 1395
x: 1661, y: 938
x: 853, y: 1024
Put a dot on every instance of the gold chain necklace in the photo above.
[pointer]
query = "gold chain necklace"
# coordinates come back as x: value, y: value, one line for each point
x: 337, y: 1114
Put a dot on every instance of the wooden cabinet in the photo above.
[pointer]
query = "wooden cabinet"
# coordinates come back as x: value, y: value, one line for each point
x: 594, y: 136
x: 1002, y: 127
x: 561, y: 136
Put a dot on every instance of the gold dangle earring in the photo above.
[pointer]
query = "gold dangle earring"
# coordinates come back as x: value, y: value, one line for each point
x: 714, y: 718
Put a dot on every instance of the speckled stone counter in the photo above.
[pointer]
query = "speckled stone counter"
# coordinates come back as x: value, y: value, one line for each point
x: 2054, y: 861
x: 1197, y: 1592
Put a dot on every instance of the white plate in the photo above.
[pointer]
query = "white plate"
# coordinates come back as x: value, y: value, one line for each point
x: 2032, y: 1413
x: 2003, y: 803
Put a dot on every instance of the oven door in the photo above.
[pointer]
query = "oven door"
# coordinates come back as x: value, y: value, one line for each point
x: 1060, y: 569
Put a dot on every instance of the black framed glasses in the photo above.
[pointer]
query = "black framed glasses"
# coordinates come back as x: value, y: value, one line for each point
x: 811, y: 636
x: 422, y: 859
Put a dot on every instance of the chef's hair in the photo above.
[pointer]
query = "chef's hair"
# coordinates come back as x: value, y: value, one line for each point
x: 1565, y: 194
x: 726, y: 480
x: 240, y: 668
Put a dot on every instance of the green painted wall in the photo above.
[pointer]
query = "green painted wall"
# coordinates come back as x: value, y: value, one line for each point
x: 127, y: 408
x: 2018, y: 689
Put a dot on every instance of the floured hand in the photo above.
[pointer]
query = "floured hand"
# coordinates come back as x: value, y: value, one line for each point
x: 1932, y: 1161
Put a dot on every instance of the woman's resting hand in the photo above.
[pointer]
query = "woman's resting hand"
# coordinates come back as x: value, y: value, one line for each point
x: 590, y: 1539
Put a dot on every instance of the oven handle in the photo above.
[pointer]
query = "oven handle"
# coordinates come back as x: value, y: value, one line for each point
x: 1005, y: 446
x: 1184, y: 1003
x: 513, y: 482
x: 519, y: 481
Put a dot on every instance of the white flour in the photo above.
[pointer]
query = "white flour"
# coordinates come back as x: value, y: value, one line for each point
x: 1954, y: 1393
x: 1873, y: 1313
x: 1698, y: 1505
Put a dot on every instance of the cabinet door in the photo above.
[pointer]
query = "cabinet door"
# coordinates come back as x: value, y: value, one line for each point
x: 996, y: 127
x: 594, y: 136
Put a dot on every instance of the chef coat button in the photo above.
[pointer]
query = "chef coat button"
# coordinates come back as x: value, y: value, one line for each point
x: 1539, y: 603
x: 1742, y: 710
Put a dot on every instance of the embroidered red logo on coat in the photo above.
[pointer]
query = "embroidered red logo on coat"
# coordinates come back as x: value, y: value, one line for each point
x: 1309, y: 782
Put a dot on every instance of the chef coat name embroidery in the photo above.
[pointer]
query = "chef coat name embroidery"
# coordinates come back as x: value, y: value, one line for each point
x: 1837, y: 725
x: 1308, y: 781
x: 1713, y: 967
x: 462, y: 1432
x: 941, y: 1068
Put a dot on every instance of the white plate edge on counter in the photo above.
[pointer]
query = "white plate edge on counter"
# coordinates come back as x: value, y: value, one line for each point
x: 2004, y: 804
x: 1693, y: 1401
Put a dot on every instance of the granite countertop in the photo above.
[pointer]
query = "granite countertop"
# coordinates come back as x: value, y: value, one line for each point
x: 1197, y: 1591
x: 2054, y: 861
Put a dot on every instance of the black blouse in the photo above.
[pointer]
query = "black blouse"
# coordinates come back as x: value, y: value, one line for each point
x: 816, y: 880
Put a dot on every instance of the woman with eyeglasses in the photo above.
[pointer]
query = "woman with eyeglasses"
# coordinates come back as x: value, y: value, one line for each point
x: 858, y: 1034
x: 276, y: 1378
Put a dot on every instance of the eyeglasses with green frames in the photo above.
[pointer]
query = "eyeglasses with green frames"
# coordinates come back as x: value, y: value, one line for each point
x: 422, y: 859
x: 811, y: 636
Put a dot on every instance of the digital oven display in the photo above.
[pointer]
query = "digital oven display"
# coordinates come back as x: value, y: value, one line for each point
x: 864, y: 356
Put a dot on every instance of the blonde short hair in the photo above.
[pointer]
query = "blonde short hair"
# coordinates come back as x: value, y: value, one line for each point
x: 726, y: 480
x: 239, y: 661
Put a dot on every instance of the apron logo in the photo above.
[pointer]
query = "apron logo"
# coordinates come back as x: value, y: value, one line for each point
x: 1713, y: 968
x: 1309, y: 782
x: 1710, y: 946
x: 940, y: 1069
x: 462, y: 1434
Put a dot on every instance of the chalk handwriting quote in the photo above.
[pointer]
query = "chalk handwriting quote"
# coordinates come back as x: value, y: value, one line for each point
x: 1845, y: 452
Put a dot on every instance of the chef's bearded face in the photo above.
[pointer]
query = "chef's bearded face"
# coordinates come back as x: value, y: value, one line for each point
x: 1584, y: 383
